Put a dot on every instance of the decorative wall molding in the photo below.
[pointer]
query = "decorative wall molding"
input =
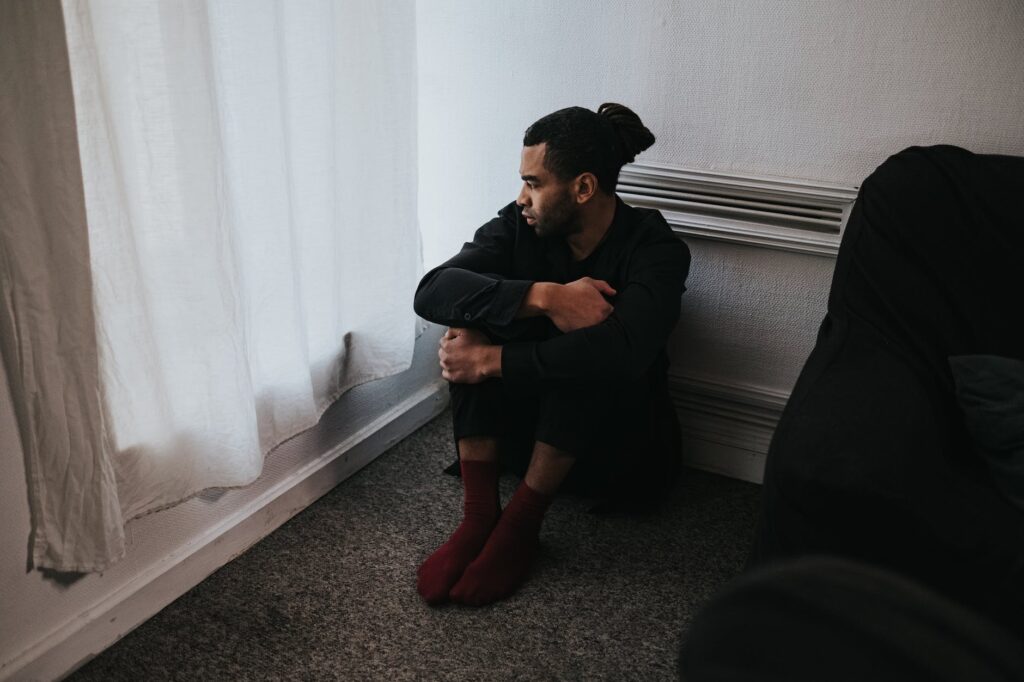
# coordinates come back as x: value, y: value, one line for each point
x: 727, y: 426
x: 802, y: 216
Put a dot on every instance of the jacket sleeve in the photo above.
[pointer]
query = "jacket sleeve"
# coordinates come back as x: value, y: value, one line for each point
x: 627, y: 343
x: 475, y: 288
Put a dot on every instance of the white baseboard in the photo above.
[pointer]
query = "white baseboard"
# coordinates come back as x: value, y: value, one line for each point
x: 727, y: 427
x: 727, y: 460
x: 82, y: 638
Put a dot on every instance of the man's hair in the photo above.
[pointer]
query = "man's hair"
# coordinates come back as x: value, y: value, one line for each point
x: 581, y: 141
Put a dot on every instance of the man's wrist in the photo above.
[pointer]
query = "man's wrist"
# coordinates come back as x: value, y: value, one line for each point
x: 492, y: 361
x: 538, y: 299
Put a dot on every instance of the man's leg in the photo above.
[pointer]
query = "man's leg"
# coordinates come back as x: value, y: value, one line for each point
x: 476, y: 409
x: 479, y: 463
x: 548, y: 468
x: 506, y: 558
x: 571, y: 421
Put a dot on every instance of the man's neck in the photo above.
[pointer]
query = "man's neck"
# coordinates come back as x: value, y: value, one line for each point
x: 597, y: 217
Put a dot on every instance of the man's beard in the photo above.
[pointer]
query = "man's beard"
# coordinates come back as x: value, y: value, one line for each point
x: 560, y: 220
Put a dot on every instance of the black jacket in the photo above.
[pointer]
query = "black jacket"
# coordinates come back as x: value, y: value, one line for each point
x: 484, y: 284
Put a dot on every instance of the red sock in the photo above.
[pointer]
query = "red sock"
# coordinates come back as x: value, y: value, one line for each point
x: 506, y: 558
x: 443, y: 568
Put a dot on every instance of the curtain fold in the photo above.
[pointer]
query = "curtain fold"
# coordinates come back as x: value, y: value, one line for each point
x: 46, y: 311
x: 250, y: 193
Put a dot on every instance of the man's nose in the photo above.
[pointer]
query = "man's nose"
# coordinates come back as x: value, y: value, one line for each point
x: 521, y: 200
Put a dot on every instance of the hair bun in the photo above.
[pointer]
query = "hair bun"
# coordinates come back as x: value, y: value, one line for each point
x: 632, y: 135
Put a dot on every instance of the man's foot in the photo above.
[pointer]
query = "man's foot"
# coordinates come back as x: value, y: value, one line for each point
x: 505, y: 560
x: 442, y: 569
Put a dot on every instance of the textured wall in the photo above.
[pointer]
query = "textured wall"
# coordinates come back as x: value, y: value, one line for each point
x: 806, y: 89
x: 749, y: 315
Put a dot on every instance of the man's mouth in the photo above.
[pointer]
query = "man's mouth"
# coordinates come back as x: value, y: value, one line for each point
x: 529, y: 219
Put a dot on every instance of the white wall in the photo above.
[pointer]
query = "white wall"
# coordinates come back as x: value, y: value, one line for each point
x: 806, y: 89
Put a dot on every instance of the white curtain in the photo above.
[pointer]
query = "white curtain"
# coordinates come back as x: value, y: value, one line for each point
x: 250, y: 192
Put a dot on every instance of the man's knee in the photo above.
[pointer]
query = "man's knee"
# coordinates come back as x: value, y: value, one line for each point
x: 482, y: 409
x: 574, y: 418
x: 579, y: 418
x: 592, y: 400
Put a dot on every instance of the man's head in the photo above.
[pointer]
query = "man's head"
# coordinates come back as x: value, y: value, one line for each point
x: 570, y: 157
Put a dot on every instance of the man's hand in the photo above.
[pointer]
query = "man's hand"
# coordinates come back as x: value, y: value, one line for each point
x: 467, y: 357
x: 577, y: 304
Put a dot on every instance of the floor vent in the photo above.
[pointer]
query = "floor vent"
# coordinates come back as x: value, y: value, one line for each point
x: 778, y: 213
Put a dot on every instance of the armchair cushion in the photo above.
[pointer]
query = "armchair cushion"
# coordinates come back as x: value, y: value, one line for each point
x: 990, y: 390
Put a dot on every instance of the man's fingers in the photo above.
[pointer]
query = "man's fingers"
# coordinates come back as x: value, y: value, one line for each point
x: 599, y: 284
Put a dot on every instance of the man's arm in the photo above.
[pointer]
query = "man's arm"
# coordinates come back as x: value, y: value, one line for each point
x: 569, y: 306
x: 467, y: 356
x: 474, y: 288
x: 621, y: 347
x: 624, y: 345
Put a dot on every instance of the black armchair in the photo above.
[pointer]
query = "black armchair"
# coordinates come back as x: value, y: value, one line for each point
x: 871, y: 459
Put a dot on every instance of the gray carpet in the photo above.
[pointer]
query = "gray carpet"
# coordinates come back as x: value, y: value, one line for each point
x: 331, y: 594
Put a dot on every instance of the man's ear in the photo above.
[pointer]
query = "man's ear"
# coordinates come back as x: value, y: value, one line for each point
x: 586, y: 187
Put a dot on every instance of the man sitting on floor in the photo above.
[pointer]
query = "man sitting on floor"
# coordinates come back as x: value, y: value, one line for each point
x: 559, y: 311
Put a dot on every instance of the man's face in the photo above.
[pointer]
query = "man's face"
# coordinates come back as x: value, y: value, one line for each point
x: 548, y: 203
